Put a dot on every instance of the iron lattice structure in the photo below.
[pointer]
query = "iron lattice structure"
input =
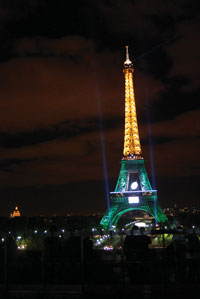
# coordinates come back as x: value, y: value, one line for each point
x: 133, y: 190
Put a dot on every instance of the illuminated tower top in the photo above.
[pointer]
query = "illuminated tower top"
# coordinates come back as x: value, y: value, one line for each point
x: 132, y: 148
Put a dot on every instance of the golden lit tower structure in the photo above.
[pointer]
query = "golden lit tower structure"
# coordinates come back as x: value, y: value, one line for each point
x: 131, y: 135
x: 133, y: 190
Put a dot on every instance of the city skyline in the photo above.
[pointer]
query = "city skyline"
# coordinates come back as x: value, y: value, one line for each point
x: 62, y: 101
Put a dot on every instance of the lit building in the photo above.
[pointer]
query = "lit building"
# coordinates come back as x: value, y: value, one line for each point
x: 133, y: 190
x: 15, y: 213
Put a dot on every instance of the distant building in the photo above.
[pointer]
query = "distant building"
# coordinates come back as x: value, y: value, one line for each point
x: 15, y: 213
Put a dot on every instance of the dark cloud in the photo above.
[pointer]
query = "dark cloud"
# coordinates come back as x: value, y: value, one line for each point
x: 154, y: 67
x: 156, y: 140
x: 7, y: 164
x: 70, y: 47
x: 174, y: 100
x: 64, y: 130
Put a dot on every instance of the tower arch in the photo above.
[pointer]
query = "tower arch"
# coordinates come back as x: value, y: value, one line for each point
x: 119, y: 214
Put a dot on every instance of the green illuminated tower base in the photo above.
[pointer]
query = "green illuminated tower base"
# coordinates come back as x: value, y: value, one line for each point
x: 125, y: 199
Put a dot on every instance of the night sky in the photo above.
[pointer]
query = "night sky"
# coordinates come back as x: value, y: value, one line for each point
x: 62, y: 100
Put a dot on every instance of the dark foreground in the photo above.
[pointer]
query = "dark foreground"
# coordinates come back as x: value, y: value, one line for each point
x: 138, y: 291
x: 103, y: 275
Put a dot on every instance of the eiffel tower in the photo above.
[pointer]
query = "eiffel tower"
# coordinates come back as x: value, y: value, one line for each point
x: 133, y: 190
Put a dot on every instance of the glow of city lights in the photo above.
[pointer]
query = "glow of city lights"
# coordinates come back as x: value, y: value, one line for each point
x: 21, y: 247
x: 141, y: 224
x: 108, y: 248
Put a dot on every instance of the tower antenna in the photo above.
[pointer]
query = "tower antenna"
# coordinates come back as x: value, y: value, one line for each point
x: 128, y: 61
x: 127, y: 54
